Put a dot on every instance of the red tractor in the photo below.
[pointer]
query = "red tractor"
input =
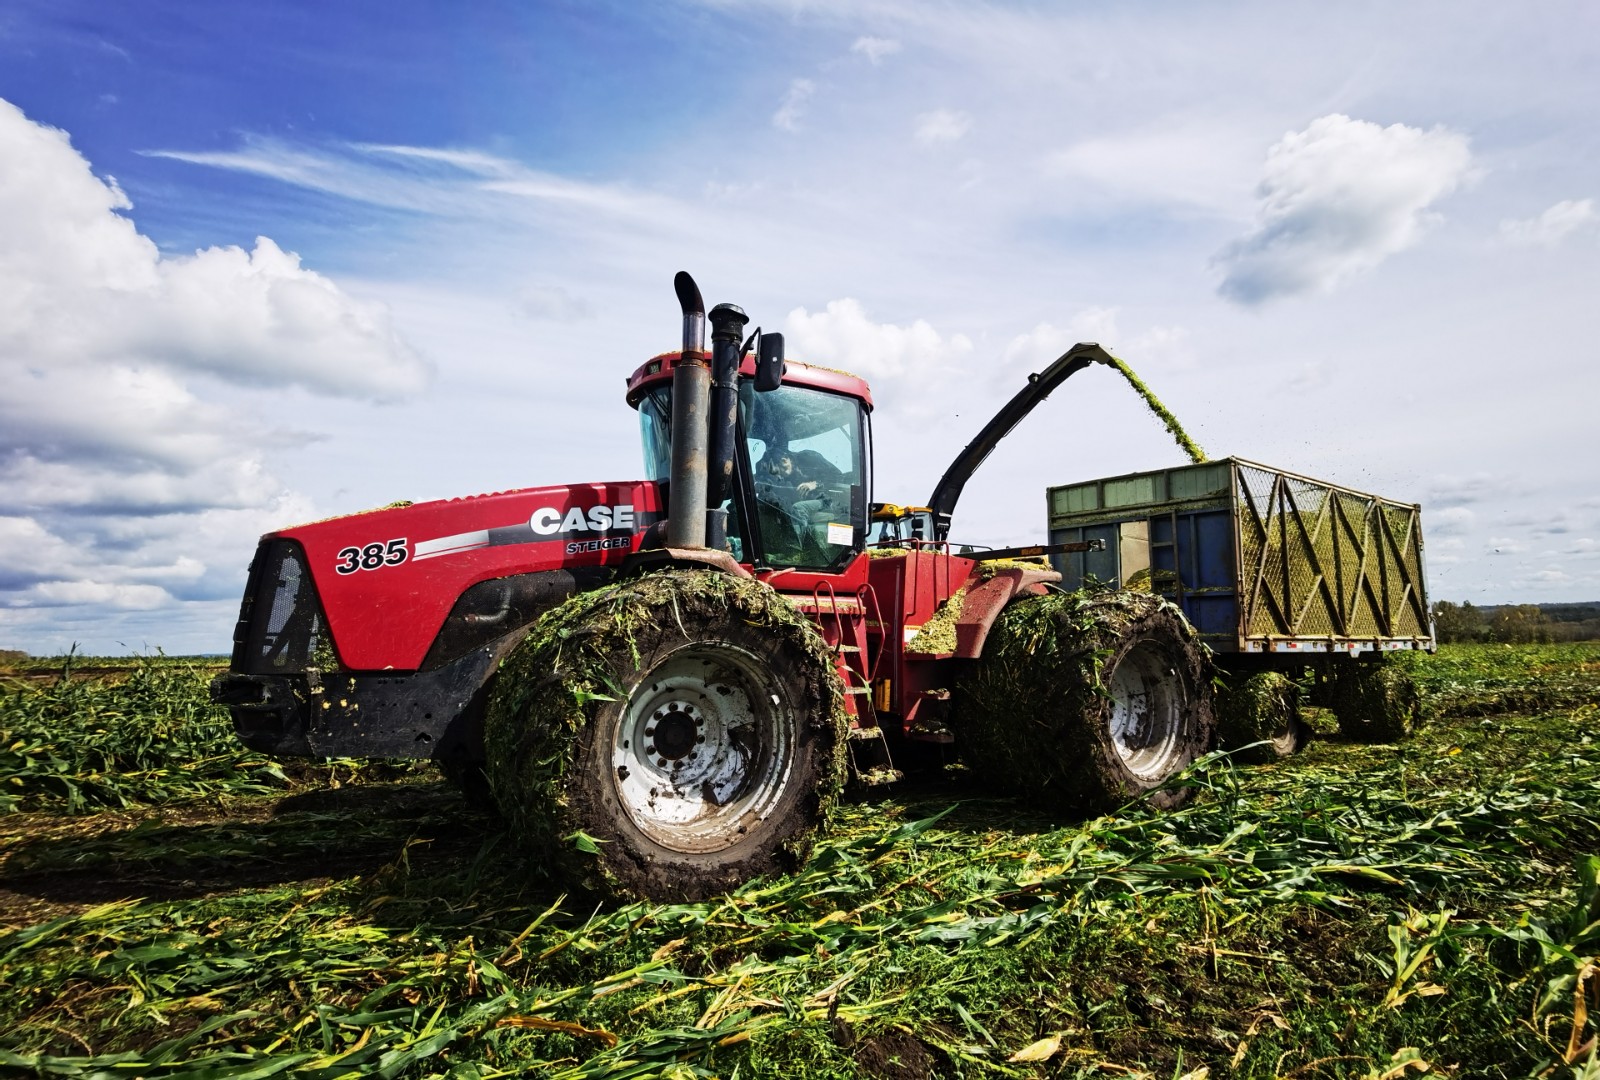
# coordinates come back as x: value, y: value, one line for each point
x: 667, y: 682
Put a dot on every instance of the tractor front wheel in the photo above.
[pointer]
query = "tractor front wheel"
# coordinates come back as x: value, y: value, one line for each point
x: 1085, y: 702
x: 668, y: 737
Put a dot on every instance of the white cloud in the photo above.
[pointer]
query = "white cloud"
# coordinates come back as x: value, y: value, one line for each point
x: 793, y: 108
x: 1155, y: 348
x: 1457, y: 490
x: 875, y: 48
x: 1047, y: 341
x: 1506, y: 545
x: 98, y: 593
x: 430, y: 180
x: 842, y: 336
x: 1185, y: 161
x: 1553, y: 226
x: 942, y: 126
x: 554, y: 303
x: 1451, y: 521
x: 126, y: 481
x: 1336, y: 200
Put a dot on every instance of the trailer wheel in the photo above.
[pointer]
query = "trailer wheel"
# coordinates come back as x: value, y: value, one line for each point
x: 1263, y: 707
x: 1084, y: 702
x: 1375, y: 702
x: 668, y: 737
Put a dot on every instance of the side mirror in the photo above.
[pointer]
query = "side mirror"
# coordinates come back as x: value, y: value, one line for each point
x: 769, y: 362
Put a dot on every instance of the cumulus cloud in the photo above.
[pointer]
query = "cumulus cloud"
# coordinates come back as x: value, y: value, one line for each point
x: 1337, y: 199
x: 116, y: 455
x: 1047, y: 341
x: 793, y: 107
x: 1158, y: 346
x: 843, y: 336
x: 875, y: 48
x: 1553, y: 226
x: 942, y: 126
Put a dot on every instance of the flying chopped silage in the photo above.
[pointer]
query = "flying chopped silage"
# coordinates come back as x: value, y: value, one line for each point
x: 1190, y: 447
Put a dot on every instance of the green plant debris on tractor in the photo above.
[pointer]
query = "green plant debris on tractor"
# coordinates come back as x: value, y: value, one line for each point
x: 938, y: 634
x: 546, y: 686
x: 1040, y: 674
x: 988, y: 568
x: 1345, y: 912
x: 1189, y: 446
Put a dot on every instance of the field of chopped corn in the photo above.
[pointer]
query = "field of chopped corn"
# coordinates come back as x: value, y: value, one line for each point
x: 173, y: 906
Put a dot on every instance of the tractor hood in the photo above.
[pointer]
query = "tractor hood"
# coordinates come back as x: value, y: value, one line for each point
x: 387, y: 578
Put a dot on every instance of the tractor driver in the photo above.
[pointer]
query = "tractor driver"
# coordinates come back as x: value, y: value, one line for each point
x: 804, y: 471
x: 798, y: 483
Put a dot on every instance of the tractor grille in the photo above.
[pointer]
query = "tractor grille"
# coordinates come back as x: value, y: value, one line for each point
x: 281, y: 626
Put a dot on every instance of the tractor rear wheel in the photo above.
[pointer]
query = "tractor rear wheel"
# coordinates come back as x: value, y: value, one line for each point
x: 669, y: 736
x: 1085, y: 702
x: 1375, y: 702
x: 1262, y: 708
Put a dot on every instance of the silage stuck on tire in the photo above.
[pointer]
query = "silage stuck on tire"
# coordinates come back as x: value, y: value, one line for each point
x: 1375, y: 702
x: 1260, y: 711
x: 559, y: 716
x: 1045, y: 713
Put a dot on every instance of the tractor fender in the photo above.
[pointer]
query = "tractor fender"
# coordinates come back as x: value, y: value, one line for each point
x: 985, y: 598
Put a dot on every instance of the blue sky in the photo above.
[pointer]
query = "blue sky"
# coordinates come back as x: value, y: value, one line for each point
x: 1356, y: 241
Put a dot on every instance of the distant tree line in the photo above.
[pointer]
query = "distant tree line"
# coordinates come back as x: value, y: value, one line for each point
x: 1516, y: 624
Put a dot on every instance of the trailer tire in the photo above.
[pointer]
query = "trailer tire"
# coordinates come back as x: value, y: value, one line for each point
x: 669, y: 736
x: 1375, y: 702
x: 1261, y: 708
x: 1085, y: 702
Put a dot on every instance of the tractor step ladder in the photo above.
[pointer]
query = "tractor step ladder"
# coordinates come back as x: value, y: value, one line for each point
x: 842, y: 621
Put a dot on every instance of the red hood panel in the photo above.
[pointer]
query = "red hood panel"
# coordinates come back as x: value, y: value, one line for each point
x: 388, y: 578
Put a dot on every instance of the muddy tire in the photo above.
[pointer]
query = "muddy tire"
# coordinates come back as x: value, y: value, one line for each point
x: 1260, y: 708
x: 1086, y: 702
x: 668, y: 737
x: 1375, y: 702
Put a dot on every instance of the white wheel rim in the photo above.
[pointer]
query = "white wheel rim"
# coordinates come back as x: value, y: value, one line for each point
x: 1147, y: 714
x: 703, y: 749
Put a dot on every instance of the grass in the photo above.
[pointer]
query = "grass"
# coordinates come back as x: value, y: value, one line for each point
x: 1357, y: 911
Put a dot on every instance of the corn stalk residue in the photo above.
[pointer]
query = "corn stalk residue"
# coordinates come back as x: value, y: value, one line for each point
x: 1190, y: 447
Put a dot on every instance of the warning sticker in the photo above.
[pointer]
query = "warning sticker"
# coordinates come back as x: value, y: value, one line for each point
x: 840, y: 534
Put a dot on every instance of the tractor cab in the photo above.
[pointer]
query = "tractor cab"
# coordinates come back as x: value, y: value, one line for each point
x: 799, y: 494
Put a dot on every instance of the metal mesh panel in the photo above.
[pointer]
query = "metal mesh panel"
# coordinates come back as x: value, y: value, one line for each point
x: 1262, y: 555
x: 1306, y: 603
x: 1320, y: 562
x: 1353, y: 538
x: 285, y: 627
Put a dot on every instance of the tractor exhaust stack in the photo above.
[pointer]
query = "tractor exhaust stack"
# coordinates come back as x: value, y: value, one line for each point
x: 691, y: 428
x: 727, y: 329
